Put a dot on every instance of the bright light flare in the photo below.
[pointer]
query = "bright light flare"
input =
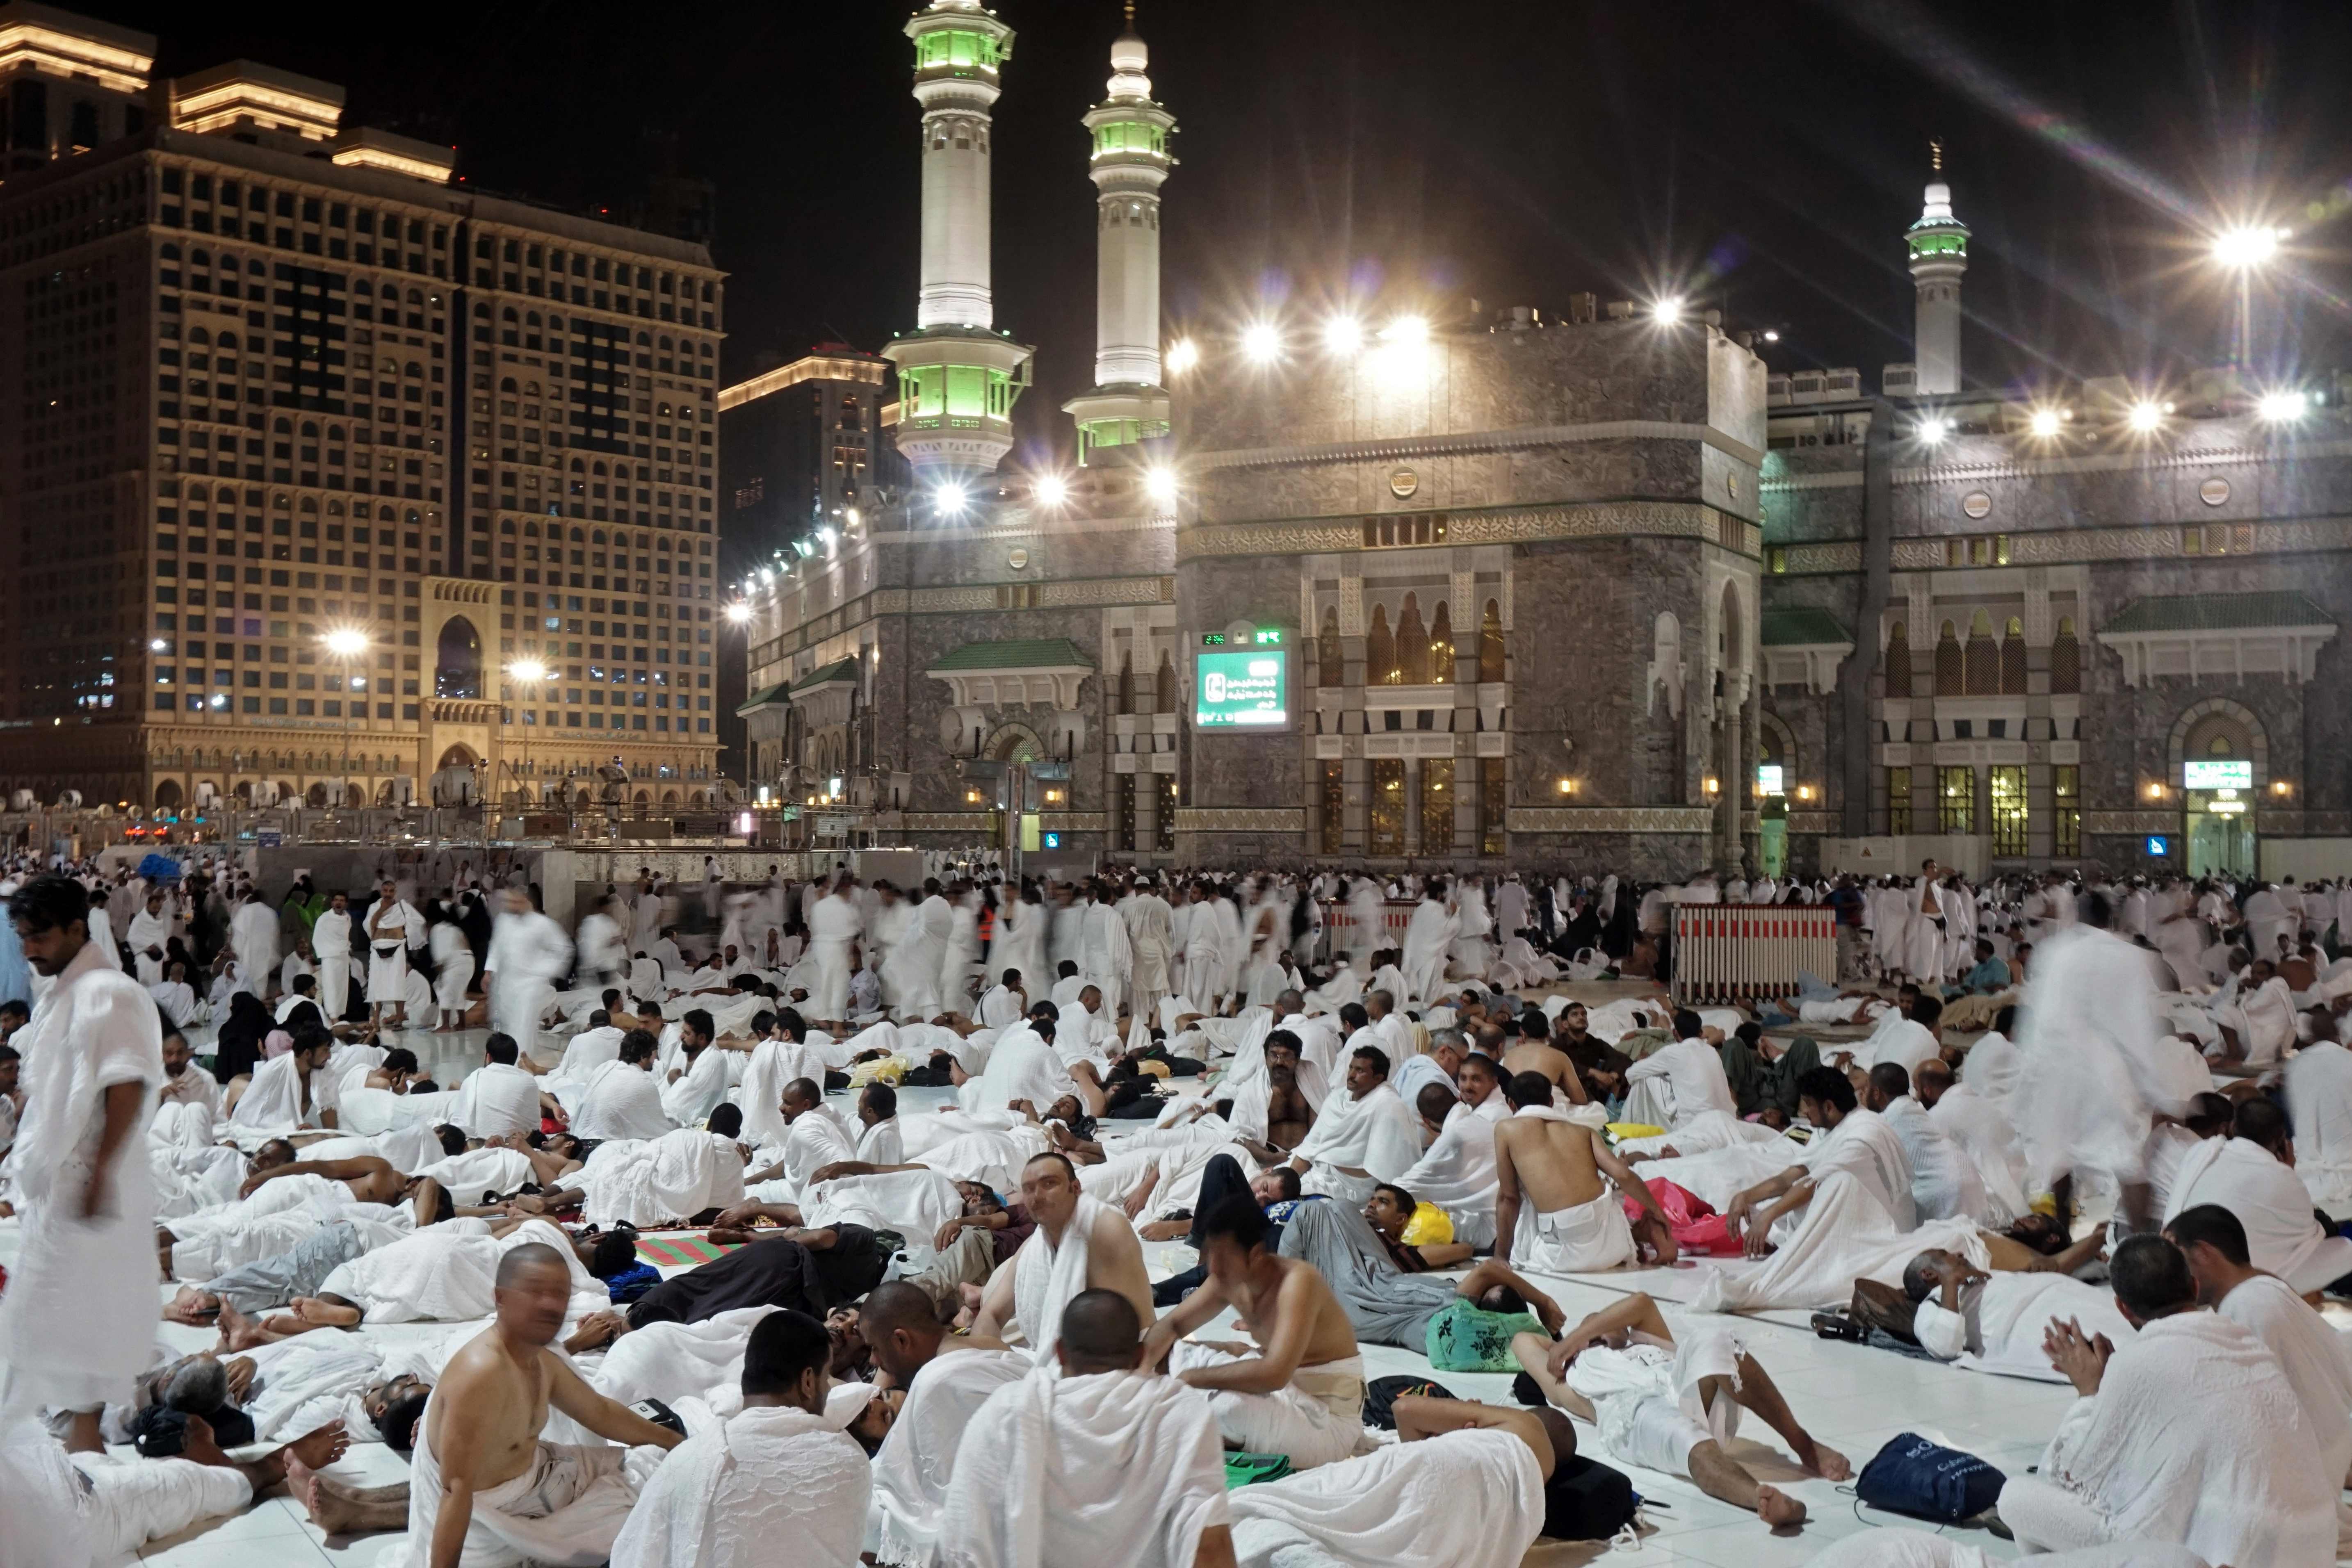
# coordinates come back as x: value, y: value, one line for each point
x: 2283, y: 407
x: 2044, y: 424
x: 346, y: 643
x: 1405, y: 332
x: 1667, y: 311
x: 530, y: 672
x: 1343, y: 335
x: 2146, y: 417
x: 2246, y: 248
x: 156, y: 647
x: 1160, y: 484
x: 1049, y: 490
x: 1182, y: 356
x: 739, y: 613
x: 1261, y: 341
x: 950, y: 499
x: 1933, y: 429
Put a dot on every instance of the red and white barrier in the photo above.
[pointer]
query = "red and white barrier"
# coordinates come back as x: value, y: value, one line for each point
x: 1734, y: 951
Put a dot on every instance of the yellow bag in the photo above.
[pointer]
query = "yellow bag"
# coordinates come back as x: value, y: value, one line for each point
x: 881, y: 1070
x: 1151, y: 1069
x: 1429, y: 1227
x: 1621, y: 1131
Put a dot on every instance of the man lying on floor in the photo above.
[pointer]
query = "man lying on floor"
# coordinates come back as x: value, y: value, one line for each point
x: 1672, y: 1404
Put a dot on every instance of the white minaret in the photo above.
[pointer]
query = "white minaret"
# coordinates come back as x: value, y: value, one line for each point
x: 958, y: 375
x: 1938, y: 244
x: 1127, y: 159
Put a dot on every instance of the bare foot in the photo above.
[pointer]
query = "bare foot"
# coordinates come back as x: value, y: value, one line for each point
x: 1779, y: 1510
x: 238, y: 1330
x: 1823, y: 1460
x: 322, y: 1314
x: 196, y: 1443
x: 729, y: 1235
x: 190, y: 1306
x: 333, y: 1507
x: 319, y: 1449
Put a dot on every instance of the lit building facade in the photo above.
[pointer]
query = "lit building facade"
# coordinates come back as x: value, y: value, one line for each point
x: 281, y: 380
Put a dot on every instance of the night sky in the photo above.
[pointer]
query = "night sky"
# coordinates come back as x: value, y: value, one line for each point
x: 1763, y: 157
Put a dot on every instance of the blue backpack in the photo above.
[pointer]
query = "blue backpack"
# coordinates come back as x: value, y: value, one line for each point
x: 1926, y: 1481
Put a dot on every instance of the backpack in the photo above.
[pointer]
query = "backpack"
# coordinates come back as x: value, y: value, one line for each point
x: 1926, y: 1481
x: 1381, y: 1396
x: 1587, y: 1501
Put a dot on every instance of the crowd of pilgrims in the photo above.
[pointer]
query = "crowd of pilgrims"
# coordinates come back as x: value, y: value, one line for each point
x: 670, y: 1276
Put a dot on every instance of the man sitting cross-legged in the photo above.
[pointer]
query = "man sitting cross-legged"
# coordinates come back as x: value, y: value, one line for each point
x: 1553, y: 1213
x: 1093, y: 1459
x: 1670, y: 1406
x: 1300, y: 1390
x: 782, y: 1480
x: 484, y: 1485
x: 1080, y: 1243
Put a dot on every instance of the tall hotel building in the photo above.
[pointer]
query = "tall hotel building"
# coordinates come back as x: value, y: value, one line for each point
x: 308, y: 447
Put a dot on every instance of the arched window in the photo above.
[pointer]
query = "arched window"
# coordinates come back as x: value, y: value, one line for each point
x: 1441, y: 647
x: 1949, y: 667
x: 1983, y: 657
x: 1490, y: 644
x: 1333, y: 662
x: 1126, y: 683
x: 1380, y: 650
x: 1163, y: 695
x: 2065, y: 658
x: 1411, y: 645
x: 1898, y: 661
x: 2012, y: 659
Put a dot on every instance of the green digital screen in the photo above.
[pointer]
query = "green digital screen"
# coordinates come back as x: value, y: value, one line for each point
x: 1240, y: 690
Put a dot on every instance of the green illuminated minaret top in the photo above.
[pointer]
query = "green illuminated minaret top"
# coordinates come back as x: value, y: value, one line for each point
x: 1937, y: 244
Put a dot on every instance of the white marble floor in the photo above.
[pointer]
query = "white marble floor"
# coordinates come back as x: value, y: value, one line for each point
x: 1853, y: 1398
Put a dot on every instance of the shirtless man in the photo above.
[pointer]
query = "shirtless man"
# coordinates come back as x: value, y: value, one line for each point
x: 1549, y: 1062
x: 481, y: 1431
x: 1288, y: 1114
x: 371, y: 1178
x: 1049, y: 1191
x: 1553, y: 1214
x: 1644, y: 1365
x: 1300, y: 1390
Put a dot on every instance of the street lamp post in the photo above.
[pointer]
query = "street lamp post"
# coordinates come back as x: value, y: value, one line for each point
x: 527, y: 673
x: 347, y: 644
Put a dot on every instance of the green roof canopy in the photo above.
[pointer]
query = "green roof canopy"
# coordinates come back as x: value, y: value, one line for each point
x: 1016, y: 654
x: 839, y: 670
x: 1801, y: 625
x: 760, y: 698
x: 2218, y: 613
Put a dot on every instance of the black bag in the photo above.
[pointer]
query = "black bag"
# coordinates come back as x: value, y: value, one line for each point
x: 1587, y: 1501
x: 1926, y: 1481
x: 1381, y: 1396
x: 660, y: 1415
x: 159, y: 1432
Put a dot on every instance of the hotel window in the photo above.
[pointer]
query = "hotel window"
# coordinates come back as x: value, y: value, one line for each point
x: 1437, y: 806
x: 2011, y: 818
x: 1492, y: 803
x: 1956, y: 799
x: 2066, y: 810
x: 1335, y: 807
x: 1387, y: 825
x: 1898, y: 800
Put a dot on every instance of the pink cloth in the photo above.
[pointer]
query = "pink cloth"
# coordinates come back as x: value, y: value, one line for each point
x: 1696, y: 1228
x: 277, y: 1042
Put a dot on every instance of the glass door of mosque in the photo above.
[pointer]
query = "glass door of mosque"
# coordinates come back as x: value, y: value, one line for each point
x: 2219, y: 793
x: 1771, y: 818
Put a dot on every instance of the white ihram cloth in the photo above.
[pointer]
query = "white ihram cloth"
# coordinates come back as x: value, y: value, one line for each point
x: 2195, y: 1438
x: 79, y: 1313
x: 814, y: 1141
x: 330, y: 938
x: 1317, y: 1418
x: 2271, y: 1201
x: 1020, y: 1067
x: 563, y: 1512
x: 528, y: 952
x: 2316, y: 1358
x: 497, y: 1099
x: 1981, y: 1129
x: 690, y: 1100
x: 475, y: 1171
x: 1456, y: 1173
x: 656, y: 1181
x: 1703, y: 1134
x: 447, y: 1273
x: 913, y: 1203
x: 273, y: 1098
x: 2089, y: 1023
x: 1377, y: 1134
x: 916, y: 1461
x: 150, y: 931
x: 772, y: 1484
x: 1428, y: 938
x: 1648, y: 1400
x: 253, y: 932
x: 387, y: 963
x: 2319, y: 1095
x: 589, y: 1049
x: 2004, y: 1319
x: 833, y: 925
x: 882, y: 1144
x: 621, y: 1101
x: 1993, y: 1067
x: 1906, y: 1042
x: 454, y: 961
x: 1865, y: 1146
x: 1690, y: 1072
x: 1472, y: 1498
x: 1045, y: 1276
x: 1843, y: 1234
x: 773, y: 1064
x: 1944, y: 1180
x: 1112, y: 1470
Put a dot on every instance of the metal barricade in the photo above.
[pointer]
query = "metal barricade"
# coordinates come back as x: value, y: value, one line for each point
x: 1734, y: 951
